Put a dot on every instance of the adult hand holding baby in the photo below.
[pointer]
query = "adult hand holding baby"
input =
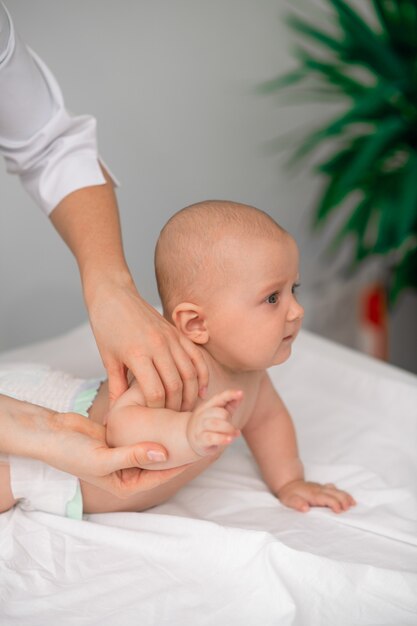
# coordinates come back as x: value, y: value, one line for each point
x: 131, y: 334
x: 118, y: 471
x: 74, y: 444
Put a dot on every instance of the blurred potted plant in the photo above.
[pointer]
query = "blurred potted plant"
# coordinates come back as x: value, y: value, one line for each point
x: 372, y: 65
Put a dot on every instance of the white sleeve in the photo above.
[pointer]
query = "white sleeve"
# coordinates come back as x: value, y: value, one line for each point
x: 53, y: 152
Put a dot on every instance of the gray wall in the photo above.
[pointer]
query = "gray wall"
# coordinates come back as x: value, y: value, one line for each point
x: 172, y: 84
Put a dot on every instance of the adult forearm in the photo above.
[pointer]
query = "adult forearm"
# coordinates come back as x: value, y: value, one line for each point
x: 24, y: 428
x: 88, y: 221
x: 130, y: 334
x: 76, y: 445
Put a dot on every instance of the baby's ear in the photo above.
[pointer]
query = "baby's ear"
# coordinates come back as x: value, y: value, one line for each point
x: 190, y: 320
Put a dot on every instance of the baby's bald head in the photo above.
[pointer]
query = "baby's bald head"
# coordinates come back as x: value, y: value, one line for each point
x: 199, y: 246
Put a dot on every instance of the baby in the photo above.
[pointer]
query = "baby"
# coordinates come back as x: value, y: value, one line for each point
x: 227, y: 275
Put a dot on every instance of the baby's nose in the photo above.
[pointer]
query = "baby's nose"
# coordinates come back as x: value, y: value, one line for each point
x: 296, y: 311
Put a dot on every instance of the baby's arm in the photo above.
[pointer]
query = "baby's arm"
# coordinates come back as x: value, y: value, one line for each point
x: 186, y: 435
x: 271, y: 436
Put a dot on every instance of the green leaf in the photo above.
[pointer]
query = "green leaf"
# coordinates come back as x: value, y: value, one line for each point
x: 290, y: 78
x: 366, y: 108
x: 332, y: 73
x: 339, y: 161
x: 405, y: 274
x: 399, y: 20
x: 407, y: 212
x: 386, y: 234
x: 357, y: 224
x: 386, y: 132
x: 319, y: 36
x: 373, y: 49
x: 330, y: 199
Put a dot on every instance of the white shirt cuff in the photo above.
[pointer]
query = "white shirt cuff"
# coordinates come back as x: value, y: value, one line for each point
x: 53, y: 152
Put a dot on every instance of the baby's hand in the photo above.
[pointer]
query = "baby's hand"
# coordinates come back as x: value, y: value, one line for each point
x: 210, y: 426
x: 300, y: 495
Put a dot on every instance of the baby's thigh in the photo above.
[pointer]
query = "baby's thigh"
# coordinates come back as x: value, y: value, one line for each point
x: 98, y: 501
x: 6, y: 496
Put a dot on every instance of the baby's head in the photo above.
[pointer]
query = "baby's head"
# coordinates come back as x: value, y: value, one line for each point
x: 226, y: 275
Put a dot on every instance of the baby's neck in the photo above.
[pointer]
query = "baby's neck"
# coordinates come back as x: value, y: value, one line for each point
x: 227, y: 377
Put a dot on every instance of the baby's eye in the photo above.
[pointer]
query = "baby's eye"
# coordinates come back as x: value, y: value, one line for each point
x: 273, y: 298
x: 295, y: 287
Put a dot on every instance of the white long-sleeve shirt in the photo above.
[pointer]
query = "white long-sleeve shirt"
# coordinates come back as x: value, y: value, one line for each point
x: 52, y: 152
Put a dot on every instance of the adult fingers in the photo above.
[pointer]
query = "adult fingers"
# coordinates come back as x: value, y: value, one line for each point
x: 117, y: 375
x: 129, y: 482
x: 170, y: 376
x: 189, y: 377
x: 199, y: 363
x: 149, y: 382
x: 142, y: 455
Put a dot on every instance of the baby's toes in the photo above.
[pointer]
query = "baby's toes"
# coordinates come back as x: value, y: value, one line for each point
x: 216, y: 425
x: 212, y: 441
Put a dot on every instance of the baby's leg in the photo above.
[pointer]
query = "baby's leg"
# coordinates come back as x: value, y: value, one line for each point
x: 6, y: 496
x: 187, y: 436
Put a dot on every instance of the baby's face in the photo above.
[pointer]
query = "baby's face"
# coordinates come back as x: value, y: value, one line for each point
x: 254, y: 317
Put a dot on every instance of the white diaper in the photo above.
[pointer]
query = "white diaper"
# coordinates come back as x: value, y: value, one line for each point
x: 36, y: 485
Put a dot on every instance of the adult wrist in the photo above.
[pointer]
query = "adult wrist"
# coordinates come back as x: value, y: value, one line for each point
x: 24, y: 427
x: 101, y: 278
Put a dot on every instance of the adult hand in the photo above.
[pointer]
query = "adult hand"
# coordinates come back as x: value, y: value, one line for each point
x: 78, y: 446
x: 131, y: 334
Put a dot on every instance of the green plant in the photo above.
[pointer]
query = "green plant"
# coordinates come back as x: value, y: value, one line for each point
x: 371, y: 63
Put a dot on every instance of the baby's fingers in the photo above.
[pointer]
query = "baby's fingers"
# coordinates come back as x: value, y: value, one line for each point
x: 294, y: 501
x: 344, y: 498
x: 328, y: 500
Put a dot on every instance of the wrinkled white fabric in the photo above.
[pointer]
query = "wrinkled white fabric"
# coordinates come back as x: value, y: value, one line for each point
x: 223, y: 551
x: 52, y: 151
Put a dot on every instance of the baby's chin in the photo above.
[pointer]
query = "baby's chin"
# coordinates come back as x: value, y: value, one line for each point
x: 282, y: 354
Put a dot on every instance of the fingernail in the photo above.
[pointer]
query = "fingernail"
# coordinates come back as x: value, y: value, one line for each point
x: 153, y: 455
x: 202, y: 392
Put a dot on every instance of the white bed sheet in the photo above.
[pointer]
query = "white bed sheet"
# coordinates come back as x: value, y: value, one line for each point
x: 224, y: 551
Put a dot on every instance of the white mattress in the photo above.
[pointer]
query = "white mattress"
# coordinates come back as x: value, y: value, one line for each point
x: 224, y: 551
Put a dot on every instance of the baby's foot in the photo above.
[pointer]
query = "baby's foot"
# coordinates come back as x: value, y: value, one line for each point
x: 210, y: 426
